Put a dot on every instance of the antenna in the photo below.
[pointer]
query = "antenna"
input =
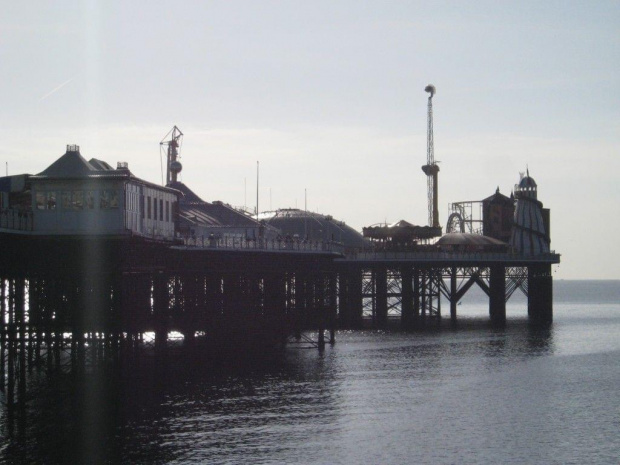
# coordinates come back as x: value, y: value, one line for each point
x: 173, y: 166
x: 431, y: 168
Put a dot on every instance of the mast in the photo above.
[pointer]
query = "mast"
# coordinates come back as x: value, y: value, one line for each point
x: 431, y: 168
x: 173, y: 166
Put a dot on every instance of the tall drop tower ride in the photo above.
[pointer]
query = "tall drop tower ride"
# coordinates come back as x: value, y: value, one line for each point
x: 431, y: 169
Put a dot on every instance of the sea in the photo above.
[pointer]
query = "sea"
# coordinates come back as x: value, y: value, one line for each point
x: 469, y: 394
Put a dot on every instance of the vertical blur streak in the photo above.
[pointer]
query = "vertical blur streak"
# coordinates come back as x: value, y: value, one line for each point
x: 90, y: 439
x: 92, y: 58
x: 94, y: 309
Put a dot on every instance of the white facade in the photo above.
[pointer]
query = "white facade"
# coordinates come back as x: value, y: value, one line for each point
x: 102, y: 207
x: 154, y: 216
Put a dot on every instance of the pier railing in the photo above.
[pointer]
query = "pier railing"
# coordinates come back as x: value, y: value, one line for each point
x: 437, y: 256
x: 240, y: 243
x: 16, y: 220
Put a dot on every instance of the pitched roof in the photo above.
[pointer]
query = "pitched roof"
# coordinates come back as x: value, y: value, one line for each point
x: 70, y: 165
x: 100, y: 164
x: 198, y: 212
x: 497, y: 197
x: 189, y: 195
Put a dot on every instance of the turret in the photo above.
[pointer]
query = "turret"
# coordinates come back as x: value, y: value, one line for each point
x: 530, y: 231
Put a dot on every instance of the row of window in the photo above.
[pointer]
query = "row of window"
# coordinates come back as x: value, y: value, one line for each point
x: 155, y: 212
x: 156, y: 209
x: 77, y: 200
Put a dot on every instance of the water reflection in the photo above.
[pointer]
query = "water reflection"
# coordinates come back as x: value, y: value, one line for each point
x: 170, y: 408
x: 372, y: 392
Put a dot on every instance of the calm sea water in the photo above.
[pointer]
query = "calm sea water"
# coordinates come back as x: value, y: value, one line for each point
x: 471, y: 395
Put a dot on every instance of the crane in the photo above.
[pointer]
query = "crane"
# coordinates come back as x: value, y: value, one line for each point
x: 431, y: 168
x: 173, y: 166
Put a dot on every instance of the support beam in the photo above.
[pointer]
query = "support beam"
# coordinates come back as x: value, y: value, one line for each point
x: 333, y: 306
x: 540, y: 294
x: 453, y: 295
x: 160, y: 309
x: 356, y: 304
x: 497, y: 295
x: 381, y: 290
x: 407, y: 313
x: 416, y: 295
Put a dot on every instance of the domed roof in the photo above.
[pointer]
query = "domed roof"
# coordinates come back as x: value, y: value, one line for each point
x: 313, y: 226
x: 527, y: 188
x: 527, y: 181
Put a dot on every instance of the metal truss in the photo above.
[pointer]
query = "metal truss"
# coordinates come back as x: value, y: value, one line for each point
x: 394, y: 292
x: 429, y: 285
x: 369, y: 301
x: 516, y: 278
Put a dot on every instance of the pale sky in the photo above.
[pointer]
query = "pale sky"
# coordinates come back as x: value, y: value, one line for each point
x: 329, y: 96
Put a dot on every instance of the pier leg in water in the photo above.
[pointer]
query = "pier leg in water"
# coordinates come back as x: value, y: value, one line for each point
x: 407, y: 315
x: 416, y: 297
x: 160, y: 310
x: 540, y: 294
x: 333, y: 308
x: 381, y: 297
x: 321, y: 341
x: 453, y: 296
x: 497, y: 295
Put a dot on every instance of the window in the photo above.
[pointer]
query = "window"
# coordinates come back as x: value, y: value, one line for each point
x: 45, y: 200
x: 142, y: 206
x: 77, y: 200
x: 155, y: 209
x: 148, y: 208
x: 71, y: 200
x: 161, y: 210
x: 113, y: 199
x: 40, y: 200
x: 90, y: 199
x: 108, y: 198
x: 51, y: 200
x: 167, y: 210
x: 66, y: 200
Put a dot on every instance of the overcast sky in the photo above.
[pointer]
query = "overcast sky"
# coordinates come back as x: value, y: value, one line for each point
x: 329, y: 96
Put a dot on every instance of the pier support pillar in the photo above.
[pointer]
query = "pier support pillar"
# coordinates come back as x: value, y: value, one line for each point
x: 407, y: 314
x: 453, y: 296
x: 274, y: 327
x: 350, y: 305
x: 345, y: 307
x: 381, y: 297
x: 356, y: 304
x: 540, y: 294
x: 497, y: 295
x: 333, y: 306
x: 416, y: 296
x: 3, y: 331
x: 160, y: 309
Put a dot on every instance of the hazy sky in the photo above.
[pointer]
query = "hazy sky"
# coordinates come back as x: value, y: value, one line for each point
x: 329, y: 96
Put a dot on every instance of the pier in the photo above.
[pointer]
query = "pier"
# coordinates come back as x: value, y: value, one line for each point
x: 410, y: 285
x: 96, y: 263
